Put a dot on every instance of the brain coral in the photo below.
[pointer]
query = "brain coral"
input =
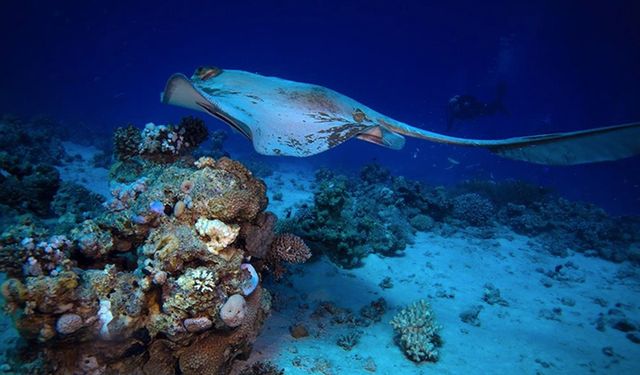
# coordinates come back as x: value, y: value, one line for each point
x: 417, y: 332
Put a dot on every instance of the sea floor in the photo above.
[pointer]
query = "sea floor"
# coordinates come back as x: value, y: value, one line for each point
x: 552, y: 316
x: 546, y: 322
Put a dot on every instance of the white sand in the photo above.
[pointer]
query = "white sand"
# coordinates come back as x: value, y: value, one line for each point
x: 510, y: 340
x: 83, y: 172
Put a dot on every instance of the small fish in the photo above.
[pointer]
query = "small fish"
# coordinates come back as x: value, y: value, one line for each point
x: 452, y: 163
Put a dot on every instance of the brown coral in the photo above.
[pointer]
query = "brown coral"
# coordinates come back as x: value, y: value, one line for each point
x: 126, y: 142
x: 194, y: 132
x: 289, y: 248
x: 213, y: 352
x: 259, y: 235
x: 286, y: 248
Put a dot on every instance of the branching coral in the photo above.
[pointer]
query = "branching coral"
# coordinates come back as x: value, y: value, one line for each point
x: 417, y: 332
x: 286, y: 248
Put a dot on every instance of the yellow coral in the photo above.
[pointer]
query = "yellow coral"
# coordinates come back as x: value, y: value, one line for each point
x: 219, y: 234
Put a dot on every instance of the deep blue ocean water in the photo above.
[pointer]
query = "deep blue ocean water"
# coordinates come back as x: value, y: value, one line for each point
x: 567, y: 66
x: 93, y: 66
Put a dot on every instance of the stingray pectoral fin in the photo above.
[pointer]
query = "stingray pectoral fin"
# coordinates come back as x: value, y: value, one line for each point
x: 382, y: 137
x: 180, y: 91
x: 585, y: 146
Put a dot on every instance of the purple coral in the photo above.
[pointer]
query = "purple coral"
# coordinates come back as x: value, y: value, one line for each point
x: 125, y: 194
x: 157, y: 208
x: 46, y: 257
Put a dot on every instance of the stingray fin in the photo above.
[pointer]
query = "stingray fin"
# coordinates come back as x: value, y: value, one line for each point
x: 180, y: 91
x: 586, y: 146
x: 578, y: 147
x: 383, y: 137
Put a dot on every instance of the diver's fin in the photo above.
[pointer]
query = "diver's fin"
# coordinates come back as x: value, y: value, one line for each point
x: 584, y: 146
x: 180, y: 91
x: 382, y: 137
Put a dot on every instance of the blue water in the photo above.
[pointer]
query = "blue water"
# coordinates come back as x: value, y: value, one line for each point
x: 566, y: 65
x: 93, y: 66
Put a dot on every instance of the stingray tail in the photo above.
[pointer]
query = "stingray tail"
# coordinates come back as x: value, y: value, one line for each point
x: 579, y: 147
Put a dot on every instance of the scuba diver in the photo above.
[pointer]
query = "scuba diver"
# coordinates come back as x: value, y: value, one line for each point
x: 468, y: 107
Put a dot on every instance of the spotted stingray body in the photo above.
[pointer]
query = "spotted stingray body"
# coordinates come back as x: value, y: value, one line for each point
x: 283, y: 117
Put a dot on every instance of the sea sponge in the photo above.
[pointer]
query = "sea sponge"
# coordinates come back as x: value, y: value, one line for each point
x: 234, y: 311
x: 417, y: 332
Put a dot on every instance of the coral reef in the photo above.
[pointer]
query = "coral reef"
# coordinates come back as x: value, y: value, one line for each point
x: 164, y: 277
x: 350, y: 218
x: 473, y: 209
x: 417, y: 332
x: 31, y: 142
x: 262, y: 368
x: 25, y: 186
x: 286, y: 248
x: 159, y: 143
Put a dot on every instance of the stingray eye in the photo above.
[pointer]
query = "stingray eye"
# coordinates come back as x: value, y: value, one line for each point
x: 206, y: 72
x: 358, y: 115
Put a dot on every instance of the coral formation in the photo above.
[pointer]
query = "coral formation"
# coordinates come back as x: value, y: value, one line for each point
x: 286, y: 248
x: 160, y: 279
x: 350, y: 220
x: 417, y: 332
x: 160, y: 143
x: 378, y: 213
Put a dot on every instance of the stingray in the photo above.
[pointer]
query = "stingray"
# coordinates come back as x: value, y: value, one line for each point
x: 283, y: 117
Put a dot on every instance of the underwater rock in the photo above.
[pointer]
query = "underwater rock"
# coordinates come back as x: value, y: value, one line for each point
x: 471, y: 315
x: 298, y: 331
x: 262, y: 368
x: 259, y: 235
x: 373, y: 312
x: 197, y: 324
x: 68, y: 323
x: 491, y: 295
